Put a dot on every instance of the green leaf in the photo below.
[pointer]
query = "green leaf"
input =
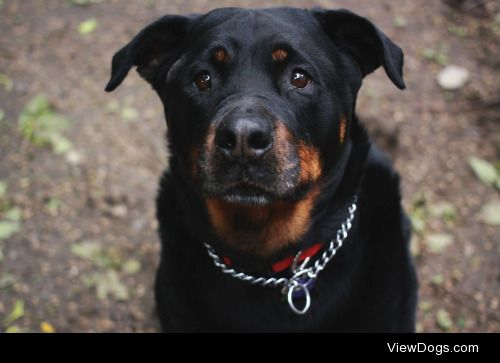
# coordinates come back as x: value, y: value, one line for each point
x: 415, y: 246
x: 490, y: 213
x: 15, y: 329
x: 437, y: 243
x: 437, y: 279
x: 60, y: 145
x: 6, y: 82
x: 13, y: 214
x: 129, y: 113
x: 2, y: 115
x: 417, y: 221
x: 400, y: 22
x: 53, y: 206
x: 7, y: 280
x: 131, y: 267
x: 109, y: 284
x: 112, y: 106
x: 85, y: 2
x: 42, y: 126
x: 87, y: 26
x: 443, y: 210
x: 458, y: 31
x: 443, y: 320
x: 93, y: 251
x: 16, y: 313
x: 3, y: 189
x: 88, y: 250
x: 484, y: 170
x: 425, y: 305
x: 8, y: 229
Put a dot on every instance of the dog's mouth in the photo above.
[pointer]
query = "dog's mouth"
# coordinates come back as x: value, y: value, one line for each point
x: 246, y: 195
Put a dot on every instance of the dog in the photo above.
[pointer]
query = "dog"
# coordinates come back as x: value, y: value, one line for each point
x: 277, y: 213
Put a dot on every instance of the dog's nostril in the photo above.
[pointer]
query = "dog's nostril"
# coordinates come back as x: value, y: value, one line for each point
x: 258, y: 140
x: 226, y: 140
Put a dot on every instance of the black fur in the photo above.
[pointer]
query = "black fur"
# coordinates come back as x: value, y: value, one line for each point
x: 370, y: 285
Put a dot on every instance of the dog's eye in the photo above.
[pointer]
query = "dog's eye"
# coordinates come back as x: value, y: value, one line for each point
x: 300, y: 79
x: 203, y: 81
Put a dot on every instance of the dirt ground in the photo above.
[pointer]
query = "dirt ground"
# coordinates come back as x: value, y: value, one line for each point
x: 84, y: 249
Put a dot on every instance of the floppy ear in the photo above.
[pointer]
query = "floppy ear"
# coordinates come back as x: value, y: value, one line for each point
x: 366, y: 44
x: 154, y: 44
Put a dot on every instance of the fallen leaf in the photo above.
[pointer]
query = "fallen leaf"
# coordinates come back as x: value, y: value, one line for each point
x: 13, y: 214
x: 53, y: 206
x: 6, y: 82
x: 437, y: 279
x: 490, y: 213
x: 74, y: 157
x: 89, y: 250
x: 129, y: 113
x: 42, y: 126
x: 16, y: 313
x: 461, y: 322
x: 7, y: 280
x: 85, y: 2
x: 443, y: 210
x: 109, y: 284
x: 417, y: 222
x: 112, y: 106
x: 400, y: 22
x: 14, y: 329
x: 87, y: 26
x: 437, y: 243
x: 415, y: 246
x: 46, y: 327
x: 443, y: 320
x: 3, y: 189
x: 8, y: 229
x: 425, y: 305
x: 131, y: 267
x: 484, y: 170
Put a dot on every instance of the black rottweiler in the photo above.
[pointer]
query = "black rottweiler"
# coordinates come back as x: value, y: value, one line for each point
x: 277, y: 213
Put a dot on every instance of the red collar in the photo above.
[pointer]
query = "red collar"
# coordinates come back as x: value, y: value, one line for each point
x: 286, y: 262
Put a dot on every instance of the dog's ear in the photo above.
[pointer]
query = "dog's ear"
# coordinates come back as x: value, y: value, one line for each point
x: 157, y: 42
x: 366, y: 44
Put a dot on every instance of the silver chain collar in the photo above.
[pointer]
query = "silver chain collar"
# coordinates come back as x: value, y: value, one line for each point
x: 302, y: 277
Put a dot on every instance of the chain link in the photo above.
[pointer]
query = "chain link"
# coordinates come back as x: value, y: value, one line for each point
x: 296, y: 282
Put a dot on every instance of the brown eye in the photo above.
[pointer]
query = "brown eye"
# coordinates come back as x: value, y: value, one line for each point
x: 300, y: 79
x: 203, y: 81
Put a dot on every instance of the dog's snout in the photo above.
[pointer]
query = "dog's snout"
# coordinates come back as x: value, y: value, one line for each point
x: 244, y: 137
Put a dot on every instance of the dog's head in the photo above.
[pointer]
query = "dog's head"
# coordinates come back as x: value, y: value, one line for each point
x: 258, y: 102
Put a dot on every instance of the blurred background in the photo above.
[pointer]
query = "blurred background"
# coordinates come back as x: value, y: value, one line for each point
x: 79, y: 168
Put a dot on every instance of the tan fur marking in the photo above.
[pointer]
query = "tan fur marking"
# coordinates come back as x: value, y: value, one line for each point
x: 275, y: 226
x: 342, y: 129
x: 310, y: 164
x: 221, y: 56
x: 279, y: 55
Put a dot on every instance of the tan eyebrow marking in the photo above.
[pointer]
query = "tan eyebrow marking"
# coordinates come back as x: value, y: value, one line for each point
x: 342, y: 129
x: 221, y: 56
x: 279, y: 55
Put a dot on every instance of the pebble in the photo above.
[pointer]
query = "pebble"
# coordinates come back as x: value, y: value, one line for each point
x: 453, y: 78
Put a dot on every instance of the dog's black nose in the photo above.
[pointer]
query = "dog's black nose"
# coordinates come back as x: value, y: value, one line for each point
x: 244, y: 137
